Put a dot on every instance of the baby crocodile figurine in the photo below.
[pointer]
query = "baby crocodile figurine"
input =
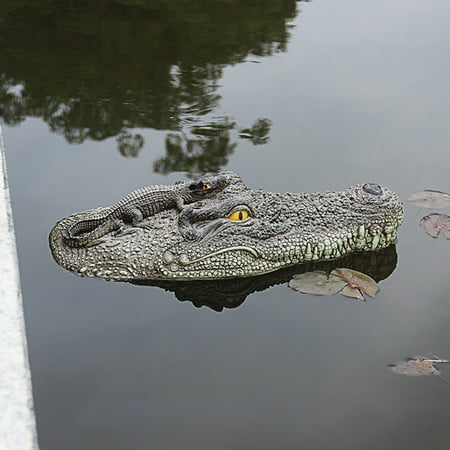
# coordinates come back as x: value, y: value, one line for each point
x: 141, y: 204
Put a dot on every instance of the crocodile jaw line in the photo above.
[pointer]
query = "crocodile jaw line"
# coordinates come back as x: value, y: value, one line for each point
x: 224, y: 250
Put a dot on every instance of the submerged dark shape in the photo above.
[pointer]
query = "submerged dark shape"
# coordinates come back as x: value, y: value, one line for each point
x: 241, y: 232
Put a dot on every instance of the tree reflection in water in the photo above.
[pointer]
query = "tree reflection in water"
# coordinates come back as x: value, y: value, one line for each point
x: 97, y: 70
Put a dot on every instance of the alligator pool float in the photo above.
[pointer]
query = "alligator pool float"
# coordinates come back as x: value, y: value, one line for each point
x: 234, y: 232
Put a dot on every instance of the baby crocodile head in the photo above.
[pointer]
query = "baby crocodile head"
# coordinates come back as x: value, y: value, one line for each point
x: 208, y: 185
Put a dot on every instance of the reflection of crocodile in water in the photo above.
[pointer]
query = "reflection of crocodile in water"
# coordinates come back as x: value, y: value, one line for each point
x: 241, y: 232
x: 231, y: 293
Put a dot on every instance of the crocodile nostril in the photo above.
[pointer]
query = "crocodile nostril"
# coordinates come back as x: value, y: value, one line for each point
x: 372, y: 188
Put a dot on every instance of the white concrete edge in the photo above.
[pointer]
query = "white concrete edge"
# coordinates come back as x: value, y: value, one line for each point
x: 17, y: 420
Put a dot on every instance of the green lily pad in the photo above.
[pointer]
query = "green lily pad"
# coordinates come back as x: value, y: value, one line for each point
x: 415, y: 367
x: 436, y: 223
x: 430, y: 199
x: 357, y: 282
x: 317, y: 283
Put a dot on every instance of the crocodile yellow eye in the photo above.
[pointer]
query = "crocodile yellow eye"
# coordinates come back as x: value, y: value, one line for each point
x: 206, y: 186
x: 238, y: 215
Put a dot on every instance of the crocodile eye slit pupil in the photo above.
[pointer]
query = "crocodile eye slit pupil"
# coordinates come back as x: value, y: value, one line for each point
x: 238, y: 215
x: 206, y: 186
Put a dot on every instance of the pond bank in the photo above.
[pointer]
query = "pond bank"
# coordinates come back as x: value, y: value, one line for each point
x: 17, y: 425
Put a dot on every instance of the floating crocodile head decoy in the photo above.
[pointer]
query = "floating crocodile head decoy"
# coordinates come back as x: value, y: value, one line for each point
x: 239, y: 232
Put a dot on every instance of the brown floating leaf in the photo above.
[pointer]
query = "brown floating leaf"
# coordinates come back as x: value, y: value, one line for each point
x: 317, y: 283
x: 415, y: 367
x: 435, y: 223
x: 430, y: 199
x: 352, y: 292
x: 357, y: 281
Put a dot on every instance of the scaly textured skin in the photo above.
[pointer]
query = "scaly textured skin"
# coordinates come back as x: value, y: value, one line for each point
x: 140, y: 204
x: 202, y: 243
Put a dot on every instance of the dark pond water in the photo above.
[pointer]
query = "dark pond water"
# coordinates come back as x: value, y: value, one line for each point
x: 98, y: 99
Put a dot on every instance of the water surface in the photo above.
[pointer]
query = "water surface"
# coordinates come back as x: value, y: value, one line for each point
x: 99, y: 100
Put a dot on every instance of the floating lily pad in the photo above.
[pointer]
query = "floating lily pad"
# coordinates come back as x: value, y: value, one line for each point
x: 430, y: 199
x: 436, y: 223
x: 419, y: 365
x: 348, y: 282
x: 415, y: 367
x: 317, y: 283
x: 357, y: 282
x: 352, y: 292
